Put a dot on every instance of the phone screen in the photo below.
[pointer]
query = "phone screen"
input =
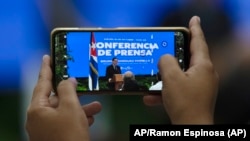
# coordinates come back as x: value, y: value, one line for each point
x: 109, y: 61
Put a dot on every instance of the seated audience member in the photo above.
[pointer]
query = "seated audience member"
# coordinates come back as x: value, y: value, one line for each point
x: 129, y: 82
x: 158, y: 85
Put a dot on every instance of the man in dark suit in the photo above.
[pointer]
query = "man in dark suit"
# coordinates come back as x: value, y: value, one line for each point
x: 110, y: 71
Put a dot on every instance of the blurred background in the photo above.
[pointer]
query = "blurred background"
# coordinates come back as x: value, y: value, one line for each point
x: 25, y: 38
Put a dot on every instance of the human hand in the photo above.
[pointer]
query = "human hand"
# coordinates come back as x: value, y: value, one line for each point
x: 188, y: 97
x: 90, y: 109
x: 60, y: 117
x: 110, y: 80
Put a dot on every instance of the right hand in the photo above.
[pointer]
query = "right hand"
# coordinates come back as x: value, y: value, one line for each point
x: 188, y: 97
x: 110, y: 80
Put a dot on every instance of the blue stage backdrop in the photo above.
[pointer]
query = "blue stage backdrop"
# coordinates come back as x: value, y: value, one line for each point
x: 137, y: 52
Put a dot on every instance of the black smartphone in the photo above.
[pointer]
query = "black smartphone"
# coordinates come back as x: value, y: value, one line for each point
x: 116, y: 60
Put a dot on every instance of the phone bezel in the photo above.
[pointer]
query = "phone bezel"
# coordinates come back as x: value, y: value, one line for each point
x: 118, y: 29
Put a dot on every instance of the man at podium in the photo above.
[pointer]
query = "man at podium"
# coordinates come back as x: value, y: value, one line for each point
x: 111, y: 70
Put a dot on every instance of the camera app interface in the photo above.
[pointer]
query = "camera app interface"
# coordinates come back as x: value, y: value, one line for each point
x: 113, y: 61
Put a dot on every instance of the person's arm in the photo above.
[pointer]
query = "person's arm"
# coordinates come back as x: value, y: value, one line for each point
x: 188, y: 97
x: 108, y: 74
x: 119, y: 70
x: 61, y: 117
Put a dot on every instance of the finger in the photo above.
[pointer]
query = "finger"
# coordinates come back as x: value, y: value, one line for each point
x: 53, y: 100
x: 44, y: 85
x: 67, y: 95
x: 91, y: 120
x: 92, y: 108
x: 152, y: 100
x: 169, y: 69
x: 198, y: 46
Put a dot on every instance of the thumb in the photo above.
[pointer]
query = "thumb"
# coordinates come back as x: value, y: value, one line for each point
x: 67, y: 93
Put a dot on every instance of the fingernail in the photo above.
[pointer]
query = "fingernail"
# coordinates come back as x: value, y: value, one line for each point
x: 45, y: 56
x: 73, y: 80
x: 198, y: 19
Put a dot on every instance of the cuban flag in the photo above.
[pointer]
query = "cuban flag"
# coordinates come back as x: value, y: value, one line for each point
x: 93, y: 63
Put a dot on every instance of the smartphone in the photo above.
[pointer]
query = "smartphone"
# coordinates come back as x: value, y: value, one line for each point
x: 116, y: 60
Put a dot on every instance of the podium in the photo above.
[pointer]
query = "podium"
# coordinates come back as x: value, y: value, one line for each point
x: 118, y: 80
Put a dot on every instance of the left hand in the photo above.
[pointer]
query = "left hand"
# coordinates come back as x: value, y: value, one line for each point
x: 61, y: 117
x: 90, y: 109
